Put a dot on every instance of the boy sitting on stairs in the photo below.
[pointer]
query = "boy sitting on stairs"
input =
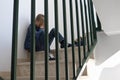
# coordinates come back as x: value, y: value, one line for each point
x: 39, y: 36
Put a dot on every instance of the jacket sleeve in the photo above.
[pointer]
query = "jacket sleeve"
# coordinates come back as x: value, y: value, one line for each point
x: 27, y: 42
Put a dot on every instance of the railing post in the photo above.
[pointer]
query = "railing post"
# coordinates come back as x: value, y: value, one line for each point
x: 83, y: 30
x: 46, y: 39
x: 86, y: 21
x: 56, y: 38
x: 65, y: 36
x: 32, y: 66
x: 78, y: 33
x: 72, y: 36
x: 90, y: 21
x: 14, y: 40
x: 93, y: 20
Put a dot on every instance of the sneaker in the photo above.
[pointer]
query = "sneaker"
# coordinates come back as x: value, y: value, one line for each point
x: 68, y: 45
x: 81, y: 42
x: 51, y: 57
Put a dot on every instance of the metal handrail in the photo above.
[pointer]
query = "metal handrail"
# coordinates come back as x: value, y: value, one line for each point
x: 56, y: 38
x: 72, y: 37
x: 14, y: 40
x: 32, y: 60
x: 78, y: 33
x: 65, y: 36
x: 46, y: 39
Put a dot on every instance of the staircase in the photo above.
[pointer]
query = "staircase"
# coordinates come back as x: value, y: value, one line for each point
x: 23, y: 66
x: 70, y: 68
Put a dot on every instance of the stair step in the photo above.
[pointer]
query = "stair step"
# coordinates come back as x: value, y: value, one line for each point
x: 40, y: 56
x: 23, y: 69
x: 4, y: 74
x: 39, y: 78
x: 23, y: 66
x: 62, y: 54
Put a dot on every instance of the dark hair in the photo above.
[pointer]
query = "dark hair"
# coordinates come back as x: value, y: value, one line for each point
x: 39, y: 17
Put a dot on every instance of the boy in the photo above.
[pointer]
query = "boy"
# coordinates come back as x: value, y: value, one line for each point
x: 39, y: 36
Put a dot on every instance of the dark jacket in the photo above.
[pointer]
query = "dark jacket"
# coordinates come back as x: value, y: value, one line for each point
x: 39, y: 39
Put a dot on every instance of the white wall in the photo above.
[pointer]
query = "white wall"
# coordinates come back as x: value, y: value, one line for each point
x: 109, y: 14
x: 6, y: 11
x: 5, y: 33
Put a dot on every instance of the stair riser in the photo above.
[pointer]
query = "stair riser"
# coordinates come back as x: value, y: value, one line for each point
x: 24, y: 70
x: 40, y: 56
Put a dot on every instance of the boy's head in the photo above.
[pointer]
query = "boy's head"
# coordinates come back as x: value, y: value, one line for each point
x: 39, y: 21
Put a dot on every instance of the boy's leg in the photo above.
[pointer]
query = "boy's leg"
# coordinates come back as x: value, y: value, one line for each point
x: 52, y: 36
x: 61, y: 39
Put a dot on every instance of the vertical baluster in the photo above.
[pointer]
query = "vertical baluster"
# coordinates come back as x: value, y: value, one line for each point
x: 78, y: 33
x: 72, y: 37
x: 86, y: 21
x: 14, y: 40
x: 93, y: 19
x: 46, y: 39
x: 83, y: 25
x: 56, y: 38
x: 90, y: 22
x: 32, y: 66
x: 65, y: 36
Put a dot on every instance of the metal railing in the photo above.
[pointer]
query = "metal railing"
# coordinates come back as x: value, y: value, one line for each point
x: 88, y: 31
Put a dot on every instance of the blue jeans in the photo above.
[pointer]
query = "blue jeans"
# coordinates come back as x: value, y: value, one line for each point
x: 40, y: 46
x: 52, y: 36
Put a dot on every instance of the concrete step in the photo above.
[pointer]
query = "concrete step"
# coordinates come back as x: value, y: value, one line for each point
x: 62, y: 54
x: 39, y: 78
x: 23, y: 66
x: 40, y: 56
x: 4, y: 74
x: 23, y: 69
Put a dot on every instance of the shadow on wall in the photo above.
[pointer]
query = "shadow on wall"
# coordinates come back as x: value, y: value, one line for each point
x: 106, y: 47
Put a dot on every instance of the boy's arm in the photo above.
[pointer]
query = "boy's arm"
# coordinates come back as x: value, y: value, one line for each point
x: 27, y: 42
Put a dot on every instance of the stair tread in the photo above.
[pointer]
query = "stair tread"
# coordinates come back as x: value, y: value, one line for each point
x: 40, y: 56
